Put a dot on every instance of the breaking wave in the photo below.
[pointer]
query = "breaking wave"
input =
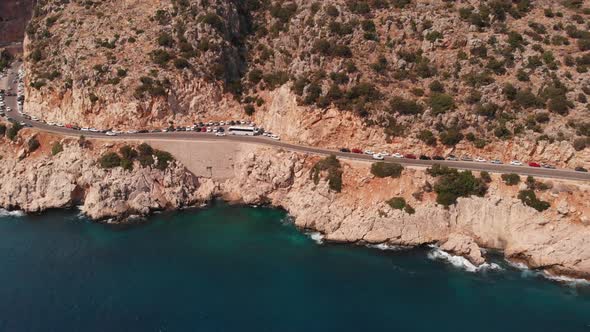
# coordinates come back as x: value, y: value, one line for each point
x: 15, y: 213
x: 460, y: 261
x: 385, y: 246
x: 526, y: 272
x: 316, y: 236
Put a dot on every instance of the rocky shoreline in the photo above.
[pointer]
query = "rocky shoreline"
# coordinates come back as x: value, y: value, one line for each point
x: 555, y: 240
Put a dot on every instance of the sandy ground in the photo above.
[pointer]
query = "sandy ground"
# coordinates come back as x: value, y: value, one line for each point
x: 205, y: 159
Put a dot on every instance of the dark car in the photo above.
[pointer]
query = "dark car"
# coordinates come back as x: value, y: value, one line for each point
x: 438, y: 158
x: 410, y: 156
x: 424, y: 157
x: 345, y: 150
x: 143, y: 131
x: 581, y: 169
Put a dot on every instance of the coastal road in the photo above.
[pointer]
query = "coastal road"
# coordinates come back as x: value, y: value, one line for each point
x: 565, y: 174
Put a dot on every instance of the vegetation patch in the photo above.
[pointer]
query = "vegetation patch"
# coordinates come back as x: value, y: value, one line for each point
x: 452, y: 184
x: 332, y: 168
x: 384, y: 170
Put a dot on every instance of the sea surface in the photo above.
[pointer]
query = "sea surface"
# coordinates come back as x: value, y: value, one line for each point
x: 232, y: 268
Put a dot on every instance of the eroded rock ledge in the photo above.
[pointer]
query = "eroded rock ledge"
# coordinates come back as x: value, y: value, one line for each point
x: 557, y: 239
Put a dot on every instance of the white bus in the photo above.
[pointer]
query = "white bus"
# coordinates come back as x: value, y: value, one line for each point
x: 243, y: 131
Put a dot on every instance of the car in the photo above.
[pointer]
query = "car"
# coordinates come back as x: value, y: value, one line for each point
x: 344, y: 150
x: 424, y: 157
x: 438, y: 158
x: 220, y: 130
x: 451, y: 157
x: 496, y: 161
x: 275, y: 137
x: 515, y: 163
x: 132, y: 131
x: 549, y: 166
x: 397, y: 155
x: 480, y: 160
x: 34, y: 118
x: 378, y: 156
x: 581, y: 169
x: 110, y: 133
x: 209, y: 129
x: 143, y: 131
x: 356, y: 151
x: 410, y: 156
x: 51, y: 123
x: 204, y: 129
x: 222, y: 123
x: 155, y: 131
x: 219, y: 133
x: 384, y: 154
x: 466, y: 158
x: 369, y: 152
x: 534, y: 164
x: 94, y: 130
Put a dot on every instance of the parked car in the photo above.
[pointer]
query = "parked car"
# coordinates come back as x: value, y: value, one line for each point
x: 220, y: 133
x: 110, y: 133
x: 496, y: 161
x: 204, y: 129
x: 581, y: 169
x: 480, y: 160
x: 410, y: 156
x: 369, y: 152
x: 275, y: 137
x: 534, y: 164
x: 438, y: 158
x: 397, y: 155
x: 378, y: 156
x: 451, y: 157
x: 356, y: 151
x: 344, y: 150
x: 515, y: 163
x: 466, y: 158
x: 547, y: 166
x: 424, y: 157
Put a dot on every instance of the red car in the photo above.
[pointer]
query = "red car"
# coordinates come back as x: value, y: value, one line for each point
x: 356, y: 151
x: 534, y: 164
x: 69, y: 125
x: 204, y: 130
x: 410, y: 156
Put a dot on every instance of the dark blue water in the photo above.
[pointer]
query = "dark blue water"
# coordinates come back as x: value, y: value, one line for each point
x: 243, y: 269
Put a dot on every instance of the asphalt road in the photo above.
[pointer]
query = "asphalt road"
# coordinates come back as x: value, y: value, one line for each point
x: 197, y: 136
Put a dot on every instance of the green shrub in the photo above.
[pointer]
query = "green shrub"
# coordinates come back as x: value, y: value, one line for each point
x: 427, y: 137
x: 165, y: 40
x: 56, y: 148
x: 164, y: 158
x: 451, y: 137
x: 511, y: 179
x: 485, y: 176
x: 453, y: 184
x: 332, y: 166
x: 441, y: 103
x: 398, y: 203
x: 383, y: 170
x: 529, y: 198
x: 249, y: 109
x: 2, y: 129
x: 13, y: 131
x: 128, y: 152
x: 33, y: 144
x: 110, y: 160
x: 181, y: 63
x: 405, y: 106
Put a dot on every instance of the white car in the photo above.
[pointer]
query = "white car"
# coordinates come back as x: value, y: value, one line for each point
x: 516, y: 163
x: 397, y: 155
x: 384, y: 154
x: 131, y: 131
x: 496, y: 161
x: 59, y: 124
x: 275, y: 137
x: 34, y: 118
x: 378, y: 156
x: 222, y: 123
x: 369, y: 152
x: 85, y: 129
x: 110, y: 133
x: 220, y: 133
x: 51, y: 123
x: 480, y: 159
x: 209, y: 129
x: 94, y: 130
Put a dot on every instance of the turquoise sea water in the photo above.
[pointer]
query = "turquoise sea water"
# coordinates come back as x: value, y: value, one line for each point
x: 229, y: 268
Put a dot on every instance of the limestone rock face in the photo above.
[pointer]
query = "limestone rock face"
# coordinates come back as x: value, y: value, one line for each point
x: 464, y: 245
x: 72, y: 178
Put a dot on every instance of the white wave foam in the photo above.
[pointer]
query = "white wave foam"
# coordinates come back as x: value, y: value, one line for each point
x: 316, y: 236
x: 526, y: 272
x: 287, y: 220
x: 385, y: 246
x: 15, y: 213
x: 460, y: 261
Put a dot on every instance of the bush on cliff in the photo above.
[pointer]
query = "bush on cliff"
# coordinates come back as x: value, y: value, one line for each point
x: 399, y: 203
x: 56, y: 148
x: 511, y: 179
x: 13, y: 131
x: 383, y: 170
x: 33, y: 144
x: 110, y: 160
x: 164, y: 158
x: 2, y: 129
x: 453, y: 184
x: 529, y: 198
x: 331, y: 165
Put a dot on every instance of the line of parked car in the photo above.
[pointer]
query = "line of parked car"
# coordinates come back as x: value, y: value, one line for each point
x: 383, y: 155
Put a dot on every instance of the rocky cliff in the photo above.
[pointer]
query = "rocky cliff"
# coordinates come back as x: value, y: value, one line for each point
x: 492, y: 78
x: 556, y: 239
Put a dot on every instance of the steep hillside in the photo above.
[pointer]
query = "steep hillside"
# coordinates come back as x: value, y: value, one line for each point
x: 13, y: 19
x: 423, y: 75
